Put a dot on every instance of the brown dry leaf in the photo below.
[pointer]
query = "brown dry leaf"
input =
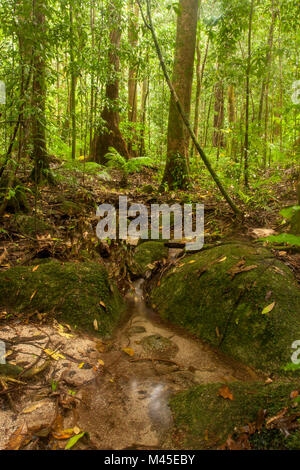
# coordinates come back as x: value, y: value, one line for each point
x: 35, y: 268
x: 3, y: 256
x: 102, y: 304
x: 294, y: 394
x: 95, y: 323
x: 225, y: 393
x: 268, y: 295
x: 101, y: 347
x: 260, y: 419
x: 240, y: 268
x: 277, y: 417
x: 18, y: 438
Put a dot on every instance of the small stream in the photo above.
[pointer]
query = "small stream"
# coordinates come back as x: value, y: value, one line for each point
x: 127, y: 407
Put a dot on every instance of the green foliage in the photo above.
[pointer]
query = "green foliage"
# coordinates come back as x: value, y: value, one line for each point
x: 287, y: 238
x: 127, y: 167
x: 289, y: 212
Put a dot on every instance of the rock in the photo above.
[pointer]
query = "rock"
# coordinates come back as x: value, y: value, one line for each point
x: 70, y: 291
x: 158, y: 346
x: 220, y: 294
x: 39, y: 415
x: 136, y: 330
x: 147, y: 253
x: 10, y: 370
x: 71, y: 208
x: 30, y: 225
x: 148, y: 189
x: 204, y: 419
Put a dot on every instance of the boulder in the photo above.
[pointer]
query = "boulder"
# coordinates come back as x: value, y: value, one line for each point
x: 70, y: 291
x: 237, y: 297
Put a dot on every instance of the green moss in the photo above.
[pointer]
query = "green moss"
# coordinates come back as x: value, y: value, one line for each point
x: 202, y: 296
x: 70, y: 291
x: 205, y: 419
x: 71, y: 208
x: 147, y: 253
x: 29, y: 225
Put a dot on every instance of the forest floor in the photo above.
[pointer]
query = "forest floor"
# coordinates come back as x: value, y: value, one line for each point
x: 111, y: 389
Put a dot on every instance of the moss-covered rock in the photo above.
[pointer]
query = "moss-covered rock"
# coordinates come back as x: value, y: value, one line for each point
x: 29, y: 225
x: 158, y: 346
x: 203, y: 295
x: 203, y: 419
x: 147, y: 253
x: 71, y: 208
x: 70, y: 291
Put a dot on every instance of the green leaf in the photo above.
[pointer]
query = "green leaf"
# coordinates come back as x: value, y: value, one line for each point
x: 268, y: 309
x: 73, y: 440
x: 284, y: 238
x: 289, y: 212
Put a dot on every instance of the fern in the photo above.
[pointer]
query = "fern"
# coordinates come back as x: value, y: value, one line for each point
x: 133, y: 165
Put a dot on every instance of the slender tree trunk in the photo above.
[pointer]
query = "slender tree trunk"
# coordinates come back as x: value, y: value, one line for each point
x: 232, y: 144
x: 199, y: 77
x: 73, y: 85
x: 176, y: 170
x: 145, y: 91
x: 248, y: 72
x: 218, y: 136
x: 111, y: 136
x: 39, y: 90
x: 132, y: 74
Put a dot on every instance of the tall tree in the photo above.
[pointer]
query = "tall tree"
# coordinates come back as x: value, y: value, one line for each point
x: 176, y: 170
x: 132, y: 74
x: 248, y: 72
x: 39, y: 89
x: 109, y: 135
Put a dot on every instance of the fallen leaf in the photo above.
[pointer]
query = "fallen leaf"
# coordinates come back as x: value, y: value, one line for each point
x: 35, y: 268
x: 18, y: 438
x: 128, y: 351
x: 102, y: 304
x: 33, y: 295
x: 32, y: 408
x: 65, y: 434
x: 54, y: 355
x: 95, y: 323
x: 225, y: 393
x: 71, y: 443
x: 268, y: 309
x: 294, y: 394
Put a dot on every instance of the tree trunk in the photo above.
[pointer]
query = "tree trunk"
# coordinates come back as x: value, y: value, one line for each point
x: 39, y: 89
x: 232, y: 143
x: 73, y: 86
x: 132, y: 75
x: 111, y: 136
x: 248, y: 71
x: 199, y: 77
x: 176, y: 170
x: 218, y: 136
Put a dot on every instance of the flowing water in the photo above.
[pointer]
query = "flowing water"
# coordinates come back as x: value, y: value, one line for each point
x: 127, y: 406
